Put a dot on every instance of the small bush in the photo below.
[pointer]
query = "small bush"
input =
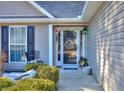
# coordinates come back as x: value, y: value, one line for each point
x: 33, y: 66
x: 47, y: 72
x: 5, y: 82
x: 3, y: 58
x: 32, y: 84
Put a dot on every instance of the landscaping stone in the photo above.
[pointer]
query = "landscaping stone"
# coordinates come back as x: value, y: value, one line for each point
x: 12, y: 75
x: 20, y: 75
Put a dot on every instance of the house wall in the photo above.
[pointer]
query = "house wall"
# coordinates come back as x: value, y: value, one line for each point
x: 42, y: 41
x: 17, y: 8
x: 106, y: 45
x: 41, y: 47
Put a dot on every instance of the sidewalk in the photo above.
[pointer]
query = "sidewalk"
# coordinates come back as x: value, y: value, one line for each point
x: 74, y: 80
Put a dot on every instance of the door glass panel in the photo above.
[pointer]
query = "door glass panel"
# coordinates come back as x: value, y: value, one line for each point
x: 70, y: 47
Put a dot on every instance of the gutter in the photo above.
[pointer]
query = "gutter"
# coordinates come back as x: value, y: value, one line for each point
x: 40, y: 20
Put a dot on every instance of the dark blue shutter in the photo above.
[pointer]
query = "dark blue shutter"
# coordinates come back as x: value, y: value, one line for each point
x: 5, y: 36
x: 30, y: 42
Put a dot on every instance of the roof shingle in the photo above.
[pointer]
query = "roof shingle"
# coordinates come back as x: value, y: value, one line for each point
x: 63, y: 9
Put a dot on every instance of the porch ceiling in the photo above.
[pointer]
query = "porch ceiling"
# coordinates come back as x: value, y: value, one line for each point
x: 90, y: 9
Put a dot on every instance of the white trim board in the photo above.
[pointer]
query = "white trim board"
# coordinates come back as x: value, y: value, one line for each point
x: 40, y: 9
x: 41, y: 20
x: 70, y: 28
x: 50, y: 45
x: 61, y: 24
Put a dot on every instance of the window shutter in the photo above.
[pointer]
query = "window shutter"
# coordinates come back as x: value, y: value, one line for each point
x: 30, y: 42
x: 5, y: 36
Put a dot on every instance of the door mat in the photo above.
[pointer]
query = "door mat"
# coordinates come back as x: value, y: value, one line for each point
x: 70, y: 68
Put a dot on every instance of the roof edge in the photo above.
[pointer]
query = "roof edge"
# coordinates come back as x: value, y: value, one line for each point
x: 90, y: 10
x: 40, y: 9
x: 41, y: 20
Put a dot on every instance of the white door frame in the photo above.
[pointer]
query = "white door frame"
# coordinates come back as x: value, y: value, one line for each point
x: 77, y: 30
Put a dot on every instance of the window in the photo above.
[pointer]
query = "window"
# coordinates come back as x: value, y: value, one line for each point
x: 17, y: 43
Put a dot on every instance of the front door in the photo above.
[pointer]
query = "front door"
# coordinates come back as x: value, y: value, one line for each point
x: 70, y: 47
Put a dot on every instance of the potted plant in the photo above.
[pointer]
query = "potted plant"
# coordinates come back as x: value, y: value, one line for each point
x: 83, y: 64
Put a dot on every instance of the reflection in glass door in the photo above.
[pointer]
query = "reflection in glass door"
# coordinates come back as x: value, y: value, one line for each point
x: 69, y: 47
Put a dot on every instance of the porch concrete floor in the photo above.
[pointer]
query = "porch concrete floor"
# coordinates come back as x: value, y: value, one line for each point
x: 75, y: 80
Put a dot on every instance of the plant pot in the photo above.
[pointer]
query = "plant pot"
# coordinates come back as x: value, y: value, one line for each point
x: 86, y: 70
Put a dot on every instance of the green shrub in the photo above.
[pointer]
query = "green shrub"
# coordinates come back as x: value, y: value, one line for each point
x: 32, y: 84
x: 33, y: 66
x: 48, y: 72
x: 5, y: 82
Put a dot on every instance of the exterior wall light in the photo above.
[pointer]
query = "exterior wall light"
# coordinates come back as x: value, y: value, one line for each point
x: 85, y: 30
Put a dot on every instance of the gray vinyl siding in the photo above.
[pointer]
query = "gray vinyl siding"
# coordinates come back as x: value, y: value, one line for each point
x: 41, y: 45
x: 42, y: 41
x: 17, y: 8
x: 106, y: 45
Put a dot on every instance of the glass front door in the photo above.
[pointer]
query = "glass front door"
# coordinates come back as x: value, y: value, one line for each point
x: 69, y: 47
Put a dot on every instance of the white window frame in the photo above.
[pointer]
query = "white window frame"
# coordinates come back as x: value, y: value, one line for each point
x: 17, y: 44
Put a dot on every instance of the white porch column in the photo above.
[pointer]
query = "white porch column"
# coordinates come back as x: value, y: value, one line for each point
x: 86, y: 45
x: 50, y: 45
x: 61, y: 47
x: 83, y: 46
x: 78, y: 46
